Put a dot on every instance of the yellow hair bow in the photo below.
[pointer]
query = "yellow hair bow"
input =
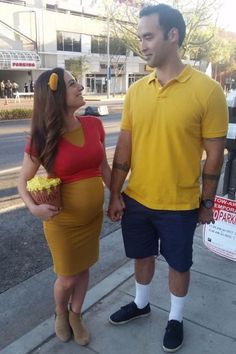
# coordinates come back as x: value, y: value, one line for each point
x: 53, y: 81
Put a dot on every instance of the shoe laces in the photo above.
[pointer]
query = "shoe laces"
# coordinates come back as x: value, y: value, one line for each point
x: 129, y: 308
x: 173, y: 325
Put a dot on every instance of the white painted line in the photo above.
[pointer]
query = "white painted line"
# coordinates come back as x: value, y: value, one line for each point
x: 12, y: 207
x: 111, y: 147
x: 17, y: 168
x: 13, y: 169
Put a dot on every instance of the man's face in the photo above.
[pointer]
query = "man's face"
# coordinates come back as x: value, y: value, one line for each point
x: 154, y: 47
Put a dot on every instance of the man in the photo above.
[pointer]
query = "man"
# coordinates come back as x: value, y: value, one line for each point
x: 2, y: 88
x: 169, y: 117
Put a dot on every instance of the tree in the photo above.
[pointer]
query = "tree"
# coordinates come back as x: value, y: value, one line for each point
x: 221, y: 52
x: 78, y: 66
x: 200, y: 17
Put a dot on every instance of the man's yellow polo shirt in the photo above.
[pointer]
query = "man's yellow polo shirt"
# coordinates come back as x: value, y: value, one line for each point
x: 167, y: 125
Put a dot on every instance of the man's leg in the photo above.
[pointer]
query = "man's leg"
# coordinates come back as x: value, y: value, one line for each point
x: 141, y: 244
x: 176, y: 236
x: 178, y: 285
x: 144, y: 271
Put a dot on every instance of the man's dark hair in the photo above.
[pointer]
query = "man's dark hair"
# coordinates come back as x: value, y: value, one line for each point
x: 168, y: 18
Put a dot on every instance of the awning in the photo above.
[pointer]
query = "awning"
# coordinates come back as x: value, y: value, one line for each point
x: 18, y: 60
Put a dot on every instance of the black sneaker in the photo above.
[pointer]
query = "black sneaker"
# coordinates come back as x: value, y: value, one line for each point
x: 173, y: 338
x: 128, y: 313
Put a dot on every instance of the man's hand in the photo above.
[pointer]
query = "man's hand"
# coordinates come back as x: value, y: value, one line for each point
x: 116, y: 208
x: 205, y: 216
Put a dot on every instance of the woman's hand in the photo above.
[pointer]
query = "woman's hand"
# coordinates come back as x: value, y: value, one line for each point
x: 45, y: 211
x: 116, y: 208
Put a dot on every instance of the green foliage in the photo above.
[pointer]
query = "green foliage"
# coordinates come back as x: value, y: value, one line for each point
x: 17, y: 113
x: 200, y: 17
x: 77, y: 66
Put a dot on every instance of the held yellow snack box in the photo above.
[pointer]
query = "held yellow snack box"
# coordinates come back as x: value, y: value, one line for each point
x: 45, y: 190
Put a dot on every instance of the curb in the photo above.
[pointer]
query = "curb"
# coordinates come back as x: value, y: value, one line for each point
x: 43, y: 332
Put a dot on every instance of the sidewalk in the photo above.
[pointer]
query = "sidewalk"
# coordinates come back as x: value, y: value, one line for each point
x: 11, y: 103
x: 209, y: 320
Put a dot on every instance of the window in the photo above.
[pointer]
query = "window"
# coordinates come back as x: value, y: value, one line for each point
x: 98, y: 45
x: 76, y: 42
x: 68, y: 41
x: 117, y: 47
x: 59, y: 41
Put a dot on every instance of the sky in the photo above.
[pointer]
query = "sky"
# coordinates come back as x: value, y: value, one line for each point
x: 227, y: 15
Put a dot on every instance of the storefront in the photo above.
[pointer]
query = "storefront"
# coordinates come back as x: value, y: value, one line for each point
x: 19, y: 66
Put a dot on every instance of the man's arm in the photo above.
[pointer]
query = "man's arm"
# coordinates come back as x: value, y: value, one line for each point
x: 214, y: 148
x: 120, y: 169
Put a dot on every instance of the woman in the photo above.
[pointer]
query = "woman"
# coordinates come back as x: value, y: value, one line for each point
x: 71, y: 148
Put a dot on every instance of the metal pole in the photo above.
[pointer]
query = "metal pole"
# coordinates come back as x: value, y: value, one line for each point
x: 108, y: 57
x: 36, y: 30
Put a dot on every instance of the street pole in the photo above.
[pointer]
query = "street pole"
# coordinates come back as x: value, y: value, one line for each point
x: 108, y: 57
x: 35, y: 27
x: 36, y: 30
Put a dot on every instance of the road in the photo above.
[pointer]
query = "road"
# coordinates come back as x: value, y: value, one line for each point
x: 13, y: 136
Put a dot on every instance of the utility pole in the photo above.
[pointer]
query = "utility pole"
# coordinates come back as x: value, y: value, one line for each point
x: 36, y: 30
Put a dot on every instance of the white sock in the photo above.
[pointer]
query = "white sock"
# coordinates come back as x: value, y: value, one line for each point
x: 142, y: 295
x: 177, y: 307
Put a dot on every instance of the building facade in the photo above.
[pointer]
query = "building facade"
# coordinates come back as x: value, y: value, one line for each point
x: 36, y: 35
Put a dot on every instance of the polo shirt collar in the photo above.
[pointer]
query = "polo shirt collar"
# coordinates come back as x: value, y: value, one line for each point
x: 184, y: 75
x: 152, y: 76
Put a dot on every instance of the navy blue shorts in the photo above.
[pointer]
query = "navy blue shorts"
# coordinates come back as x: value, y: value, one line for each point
x: 146, y: 232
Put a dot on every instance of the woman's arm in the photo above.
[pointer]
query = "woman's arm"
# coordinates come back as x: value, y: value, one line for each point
x: 106, y: 170
x: 29, y: 168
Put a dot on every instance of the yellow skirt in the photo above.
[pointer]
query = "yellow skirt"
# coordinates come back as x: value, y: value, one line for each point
x: 73, y: 235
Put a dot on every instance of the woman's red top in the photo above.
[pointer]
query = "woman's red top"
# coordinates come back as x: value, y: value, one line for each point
x: 74, y: 162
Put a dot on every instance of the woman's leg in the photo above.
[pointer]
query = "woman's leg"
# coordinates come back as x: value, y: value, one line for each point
x: 79, y: 291
x: 81, y: 333
x: 63, y: 288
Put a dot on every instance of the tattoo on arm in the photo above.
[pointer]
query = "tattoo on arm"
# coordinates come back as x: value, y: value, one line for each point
x: 210, y: 177
x: 121, y: 166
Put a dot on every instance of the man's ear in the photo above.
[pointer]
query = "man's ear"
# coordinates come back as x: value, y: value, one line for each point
x: 173, y: 35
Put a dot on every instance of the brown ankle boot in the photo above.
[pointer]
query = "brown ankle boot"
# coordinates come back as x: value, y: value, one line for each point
x: 81, y: 334
x: 62, y: 326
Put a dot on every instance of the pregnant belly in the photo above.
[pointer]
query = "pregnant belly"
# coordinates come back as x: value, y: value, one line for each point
x: 83, y: 198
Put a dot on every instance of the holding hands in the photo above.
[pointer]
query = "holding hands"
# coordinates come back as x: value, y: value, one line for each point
x: 116, y: 207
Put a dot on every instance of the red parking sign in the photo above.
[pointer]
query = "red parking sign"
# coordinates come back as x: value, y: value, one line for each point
x: 220, y: 237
